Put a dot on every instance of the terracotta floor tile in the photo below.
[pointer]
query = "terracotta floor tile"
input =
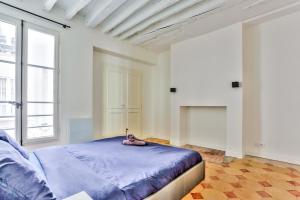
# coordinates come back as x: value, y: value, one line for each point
x: 198, y: 188
x: 268, y: 169
x: 269, y: 164
x: 244, y: 194
x: 244, y: 170
x: 241, y: 177
x: 279, y: 194
x: 292, y: 175
x: 220, y: 171
x: 228, y: 178
x: 294, y: 183
x: 254, y: 176
x: 264, y: 194
x: 215, y: 178
x: 187, y: 197
x: 291, y: 169
x: 197, y: 195
x: 233, y: 171
x: 230, y: 195
x: 283, y: 184
x: 225, y: 165
x: 221, y: 186
x: 206, y: 185
x: 210, y: 194
x: 296, y: 193
x: 236, y: 185
x: 265, y: 183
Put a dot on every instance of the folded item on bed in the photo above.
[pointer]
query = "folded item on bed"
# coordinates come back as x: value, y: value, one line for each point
x: 132, y: 140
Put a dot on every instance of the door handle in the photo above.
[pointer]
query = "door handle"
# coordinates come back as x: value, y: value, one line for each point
x: 17, y: 104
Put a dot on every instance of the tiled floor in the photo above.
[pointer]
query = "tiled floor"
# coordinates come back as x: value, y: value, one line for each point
x: 207, y: 154
x: 248, y: 179
x: 156, y: 140
x: 211, y: 155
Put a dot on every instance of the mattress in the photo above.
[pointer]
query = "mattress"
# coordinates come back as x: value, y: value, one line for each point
x: 106, y: 169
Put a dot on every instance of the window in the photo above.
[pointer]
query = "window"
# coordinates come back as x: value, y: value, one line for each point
x: 28, y: 91
x: 41, y: 86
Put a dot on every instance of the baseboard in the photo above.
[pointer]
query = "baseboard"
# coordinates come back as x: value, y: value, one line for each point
x: 281, y: 158
x: 234, y: 154
x: 217, y: 147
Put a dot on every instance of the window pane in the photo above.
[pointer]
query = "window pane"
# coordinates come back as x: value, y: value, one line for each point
x: 40, y: 109
x: 41, y: 48
x: 7, y: 82
x: 7, y: 119
x: 42, y: 132
x: 7, y: 41
x: 7, y: 123
x: 40, y: 121
x: 7, y: 110
x: 40, y: 84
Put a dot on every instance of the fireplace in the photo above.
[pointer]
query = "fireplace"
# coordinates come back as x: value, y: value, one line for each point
x: 203, y: 126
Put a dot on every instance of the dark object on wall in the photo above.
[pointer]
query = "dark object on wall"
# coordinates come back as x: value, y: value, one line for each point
x: 235, y: 84
x: 173, y: 90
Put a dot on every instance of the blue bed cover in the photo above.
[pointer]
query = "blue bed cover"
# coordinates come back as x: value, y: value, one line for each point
x: 106, y: 169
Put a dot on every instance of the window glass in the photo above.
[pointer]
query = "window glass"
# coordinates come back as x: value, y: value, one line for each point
x: 7, y: 41
x: 40, y: 84
x: 41, y: 48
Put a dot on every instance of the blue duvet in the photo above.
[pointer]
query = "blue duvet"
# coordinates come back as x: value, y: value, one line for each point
x: 106, y: 169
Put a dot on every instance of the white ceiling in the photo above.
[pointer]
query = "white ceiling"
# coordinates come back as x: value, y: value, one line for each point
x: 155, y: 24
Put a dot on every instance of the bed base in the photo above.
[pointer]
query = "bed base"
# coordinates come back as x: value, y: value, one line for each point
x: 178, y: 188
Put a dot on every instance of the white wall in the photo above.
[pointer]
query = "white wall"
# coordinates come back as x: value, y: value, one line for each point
x: 202, y: 70
x: 278, y: 74
x: 161, y: 97
x: 76, y: 59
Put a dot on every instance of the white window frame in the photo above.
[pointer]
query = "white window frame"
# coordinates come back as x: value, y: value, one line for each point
x: 17, y: 23
x: 56, y: 115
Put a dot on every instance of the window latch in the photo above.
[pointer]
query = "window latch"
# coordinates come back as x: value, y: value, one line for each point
x: 17, y: 104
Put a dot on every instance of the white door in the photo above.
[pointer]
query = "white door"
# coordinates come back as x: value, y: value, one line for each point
x: 123, y: 102
x: 134, y: 103
x: 115, y: 102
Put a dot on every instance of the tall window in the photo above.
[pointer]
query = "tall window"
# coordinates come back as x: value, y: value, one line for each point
x: 41, y: 95
x: 28, y: 92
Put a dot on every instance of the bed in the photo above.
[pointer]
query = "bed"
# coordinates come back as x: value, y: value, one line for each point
x: 106, y: 169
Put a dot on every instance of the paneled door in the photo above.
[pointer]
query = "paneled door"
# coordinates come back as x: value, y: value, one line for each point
x: 134, y: 103
x: 123, y: 101
x: 116, y: 102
